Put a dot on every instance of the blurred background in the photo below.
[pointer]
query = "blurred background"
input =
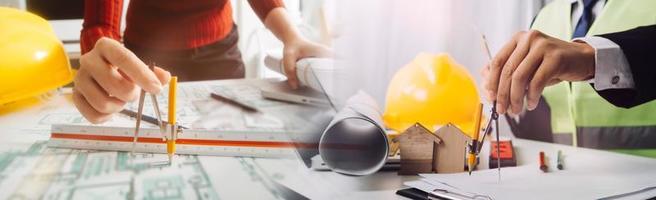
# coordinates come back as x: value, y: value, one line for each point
x: 372, y: 38
x: 311, y: 17
x: 380, y: 36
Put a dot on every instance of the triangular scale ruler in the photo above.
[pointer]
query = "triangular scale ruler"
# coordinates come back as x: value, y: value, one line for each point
x: 261, y: 144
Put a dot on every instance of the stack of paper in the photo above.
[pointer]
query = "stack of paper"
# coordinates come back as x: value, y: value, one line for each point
x: 586, y: 176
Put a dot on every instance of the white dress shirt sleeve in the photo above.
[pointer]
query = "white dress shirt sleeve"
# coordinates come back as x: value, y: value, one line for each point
x: 612, y: 70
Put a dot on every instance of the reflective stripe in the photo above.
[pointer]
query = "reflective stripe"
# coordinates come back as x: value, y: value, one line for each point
x: 563, y: 138
x: 611, y: 138
x: 638, y: 152
x: 642, y: 137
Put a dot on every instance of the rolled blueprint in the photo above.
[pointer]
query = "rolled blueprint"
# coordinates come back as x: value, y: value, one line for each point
x: 323, y: 69
x: 355, y: 143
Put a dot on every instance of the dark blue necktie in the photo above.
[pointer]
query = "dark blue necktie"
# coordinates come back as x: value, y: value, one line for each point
x: 586, y: 19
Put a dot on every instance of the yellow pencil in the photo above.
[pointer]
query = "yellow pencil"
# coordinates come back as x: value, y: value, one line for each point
x: 170, y: 142
x: 473, y: 149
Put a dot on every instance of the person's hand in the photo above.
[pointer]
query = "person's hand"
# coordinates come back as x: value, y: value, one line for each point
x: 296, y: 50
x: 109, y: 76
x: 531, y: 61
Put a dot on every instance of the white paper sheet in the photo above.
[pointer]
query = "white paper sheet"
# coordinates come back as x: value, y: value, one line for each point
x: 588, y: 174
x: 31, y: 170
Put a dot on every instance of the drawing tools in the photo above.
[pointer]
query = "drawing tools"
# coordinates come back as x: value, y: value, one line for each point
x: 139, y: 115
x: 473, y: 148
x: 486, y: 48
x: 146, y: 118
x: 173, y: 132
x: 251, y: 143
x: 158, y: 113
x: 495, y: 115
x: 543, y: 164
x: 168, y: 130
x: 137, y: 126
x: 233, y: 102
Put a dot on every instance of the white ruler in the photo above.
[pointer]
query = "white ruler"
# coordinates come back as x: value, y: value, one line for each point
x: 195, y: 142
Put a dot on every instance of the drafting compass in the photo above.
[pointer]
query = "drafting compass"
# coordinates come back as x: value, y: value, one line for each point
x: 494, y: 117
x: 170, y: 129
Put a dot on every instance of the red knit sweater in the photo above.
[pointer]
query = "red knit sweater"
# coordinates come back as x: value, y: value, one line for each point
x: 163, y: 25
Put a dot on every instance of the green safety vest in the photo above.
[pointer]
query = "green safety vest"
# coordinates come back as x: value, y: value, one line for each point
x: 577, y: 111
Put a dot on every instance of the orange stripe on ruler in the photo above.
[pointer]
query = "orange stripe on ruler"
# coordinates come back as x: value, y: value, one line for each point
x: 178, y: 141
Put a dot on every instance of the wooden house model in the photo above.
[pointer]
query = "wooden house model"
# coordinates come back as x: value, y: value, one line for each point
x: 425, y: 152
x: 417, y: 145
x: 450, y: 154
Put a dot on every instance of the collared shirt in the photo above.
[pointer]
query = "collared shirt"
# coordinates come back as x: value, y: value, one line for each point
x: 612, y: 69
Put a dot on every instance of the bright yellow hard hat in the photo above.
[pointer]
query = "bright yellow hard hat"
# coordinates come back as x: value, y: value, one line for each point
x: 32, y: 59
x: 433, y: 90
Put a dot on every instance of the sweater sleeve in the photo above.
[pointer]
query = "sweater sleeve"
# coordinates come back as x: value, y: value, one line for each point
x: 263, y: 7
x: 102, y: 18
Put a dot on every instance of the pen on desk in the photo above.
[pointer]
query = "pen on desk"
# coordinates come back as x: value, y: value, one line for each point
x: 473, y: 149
x: 233, y: 102
x: 560, y: 160
x: 145, y: 118
x: 170, y: 142
x: 543, y: 164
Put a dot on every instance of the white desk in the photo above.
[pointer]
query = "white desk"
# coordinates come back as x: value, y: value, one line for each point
x: 607, y: 165
x: 238, y: 177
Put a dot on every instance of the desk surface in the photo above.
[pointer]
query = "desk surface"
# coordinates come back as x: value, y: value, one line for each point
x: 22, y: 165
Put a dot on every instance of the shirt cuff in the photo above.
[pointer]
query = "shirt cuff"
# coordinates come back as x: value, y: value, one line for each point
x: 612, y: 70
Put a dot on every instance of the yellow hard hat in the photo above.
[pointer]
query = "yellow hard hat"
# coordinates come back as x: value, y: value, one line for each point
x: 433, y: 90
x: 33, y: 59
